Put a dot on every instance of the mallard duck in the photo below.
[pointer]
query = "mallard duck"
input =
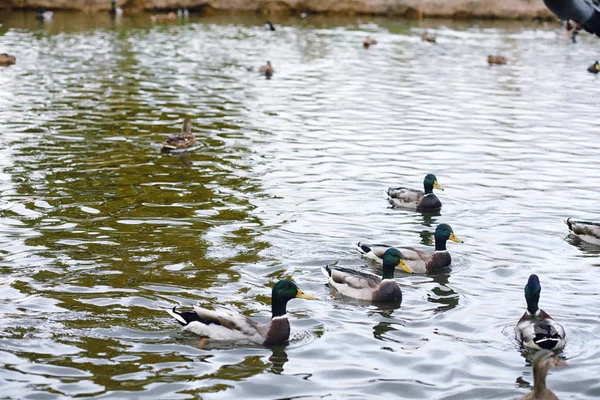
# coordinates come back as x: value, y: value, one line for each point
x: 6, y: 60
x: 412, y: 198
x: 419, y: 261
x: 368, y: 42
x: 586, y: 231
x: 584, y: 12
x: 362, y: 286
x: 269, y: 26
x: 114, y: 10
x: 496, y: 60
x: 536, y: 329
x: 169, y: 17
x: 266, y: 69
x: 181, y: 140
x: 229, y: 325
x: 594, y: 68
x: 427, y: 38
x: 43, y: 15
x: 543, y: 362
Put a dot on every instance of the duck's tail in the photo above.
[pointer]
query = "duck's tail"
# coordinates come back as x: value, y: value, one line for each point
x: 173, y: 313
x: 362, y: 248
x: 326, y: 271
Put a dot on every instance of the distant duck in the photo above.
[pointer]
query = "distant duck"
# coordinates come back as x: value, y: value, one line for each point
x: 427, y: 38
x: 169, y: 17
x: 543, y: 362
x: 363, y: 286
x: 266, y: 69
x: 43, y: 15
x: 228, y: 325
x: 182, y: 140
x: 536, y: 329
x: 416, y: 199
x: 114, y: 10
x: 183, y: 13
x: 594, y: 68
x: 419, y: 261
x: 269, y: 26
x: 6, y: 60
x: 586, y: 231
x: 368, y: 42
x: 303, y: 15
x: 584, y: 12
x: 499, y: 60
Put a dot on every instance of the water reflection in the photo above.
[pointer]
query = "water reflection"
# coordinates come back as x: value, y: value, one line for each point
x: 278, y: 359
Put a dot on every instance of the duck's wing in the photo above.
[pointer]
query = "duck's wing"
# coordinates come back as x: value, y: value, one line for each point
x: 352, y: 278
x: 374, y: 251
x: 217, y: 324
x: 540, y: 331
x: 588, y: 231
x: 405, y: 194
x: 584, y: 12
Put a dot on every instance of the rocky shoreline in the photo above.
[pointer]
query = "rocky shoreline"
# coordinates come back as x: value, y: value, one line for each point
x: 505, y: 9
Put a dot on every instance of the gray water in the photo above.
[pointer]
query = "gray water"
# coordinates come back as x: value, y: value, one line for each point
x: 100, y: 232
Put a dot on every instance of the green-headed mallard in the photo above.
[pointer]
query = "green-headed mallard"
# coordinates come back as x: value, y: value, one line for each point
x: 496, y: 60
x: 416, y: 199
x: 418, y: 260
x: 266, y: 69
x: 536, y: 329
x: 6, y: 59
x: 543, y: 362
x: 368, y: 42
x: 594, y: 68
x: 427, y: 38
x: 362, y: 286
x: 586, y: 231
x: 181, y: 140
x: 228, y: 325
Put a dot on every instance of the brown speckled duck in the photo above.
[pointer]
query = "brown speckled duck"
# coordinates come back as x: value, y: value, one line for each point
x: 228, y: 325
x: 6, y: 59
x: 182, y: 140
x: 543, y: 362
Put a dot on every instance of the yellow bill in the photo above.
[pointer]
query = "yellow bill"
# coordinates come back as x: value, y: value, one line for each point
x: 454, y: 238
x: 405, y: 267
x: 437, y: 185
x: 302, y: 295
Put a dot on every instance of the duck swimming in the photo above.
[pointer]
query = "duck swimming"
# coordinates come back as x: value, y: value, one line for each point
x: 169, y: 17
x: 362, y: 286
x: 368, y: 42
x: 6, y: 60
x: 543, y: 362
x: 536, y: 329
x: 266, y: 69
x: 181, y: 140
x: 586, y: 231
x: 594, y: 68
x: 419, y: 261
x: 427, y: 38
x: 499, y: 60
x: 228, y: 325
x: 416, y: 199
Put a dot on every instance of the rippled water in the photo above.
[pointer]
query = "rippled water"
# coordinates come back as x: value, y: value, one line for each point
x: 100, y: 232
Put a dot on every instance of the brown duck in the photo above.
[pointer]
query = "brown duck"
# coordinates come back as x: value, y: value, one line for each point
x: 181, y: 140
x: 543, y: 361
x: 6, y: 60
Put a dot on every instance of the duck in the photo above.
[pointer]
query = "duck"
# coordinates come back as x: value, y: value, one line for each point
x: 585, y: 13
x: 6, y: 59
x: 499, y: 60
x: 230, y: 325
x: 266, y: 69
x: 114, y: 10
x: 368, y: 42
x: 364, y: 286
x: 427, y: 38
x: 269, y: 26
x: 183, y: 13
x: 536, y: 329
x: 594, y: 68
x: 419, y: 261
x: 181, y: 140
x: 543, y: 362
x: 43, y: 15
x: 586, y: 231
x: 169, y: 17
x: 416, y: 199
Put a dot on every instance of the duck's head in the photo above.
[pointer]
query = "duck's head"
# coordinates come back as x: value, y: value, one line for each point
x: 431, y: 182
x: 443, y: 233
x: 532, y: 293
x: 282, y: 292
x: 269, y: 26
x: 392, y: 258
x: 544, y: 361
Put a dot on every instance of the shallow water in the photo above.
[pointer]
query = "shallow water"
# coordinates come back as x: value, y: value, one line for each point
x: 100, y: 232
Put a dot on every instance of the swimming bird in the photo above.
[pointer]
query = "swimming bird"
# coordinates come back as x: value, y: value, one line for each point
x: 363, y: 286
x: 228, y: 325
x: 416, y: 199
x: 419, y: 261
x: 427, y: 38
x: 114, y: 10
x: 594, y: 68
x: 266, y: 69
x: 500, y: 60
x: 181, y: 140
x: 368, y: 42
x: 586, y: 231
x: 543, y: 362
x: 6, y: 60
x: 269, y: 26
x: 584, y: 12
x: 183, y: 13
x: 43, y: 15
x: 536, y: 329
x: 169, y: 17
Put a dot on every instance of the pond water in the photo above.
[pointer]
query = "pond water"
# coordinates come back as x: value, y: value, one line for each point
x: 100, y: 233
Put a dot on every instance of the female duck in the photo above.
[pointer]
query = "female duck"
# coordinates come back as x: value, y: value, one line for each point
x: 543, y: 362
x: 416, y: 199
x: 227, y: 325
x: 182, y: 140
x: 266, y: 69
x: 6, y: 59
x: 536, y: 329
x: 586, y: 231
x: 362, y: 286
x: 418, y: 260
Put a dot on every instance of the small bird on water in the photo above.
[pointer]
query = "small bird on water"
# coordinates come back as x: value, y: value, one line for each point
x: 267, y: 69
x: 6, y: 60
x: 182, y: 140
x: 427, y: 38
x: 499, y: 60
x: 368, y: 42
x: 594, y: 68
x: 269, y: 26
